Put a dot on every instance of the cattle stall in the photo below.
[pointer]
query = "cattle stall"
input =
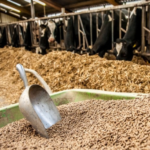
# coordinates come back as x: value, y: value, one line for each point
x: 35, y: 31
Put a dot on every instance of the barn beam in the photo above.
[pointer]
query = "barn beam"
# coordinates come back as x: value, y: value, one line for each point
x: 114, y: 2
x: 84, y: 4
x: 54, y: 5
x: 20, y: 18
x: 16, y: 7
x: 92, y: 3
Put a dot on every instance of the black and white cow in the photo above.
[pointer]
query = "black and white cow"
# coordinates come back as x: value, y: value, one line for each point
x: 9, y: 33
x: 27, y: 38
x: 104, y: 40
x: 132, y: 39
x: 3, y: 39
x: 49, y: 33
x: 31, y: 33
x: 72, y: 37
x: 17, y: 36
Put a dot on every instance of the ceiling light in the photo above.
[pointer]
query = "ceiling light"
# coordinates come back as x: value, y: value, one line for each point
x: 29, y: 1
x: 8, y: 7
x: 14, y: 2
x: 37, y: 1
x: 3, y: 9
x: 14, y: 14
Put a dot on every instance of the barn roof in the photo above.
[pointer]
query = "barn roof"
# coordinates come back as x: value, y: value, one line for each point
x: 54, y: 6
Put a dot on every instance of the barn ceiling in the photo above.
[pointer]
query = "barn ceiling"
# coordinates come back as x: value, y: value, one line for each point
x: 53, y: 6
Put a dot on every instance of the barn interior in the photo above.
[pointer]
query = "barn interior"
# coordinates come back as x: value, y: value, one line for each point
x: 74, y: 99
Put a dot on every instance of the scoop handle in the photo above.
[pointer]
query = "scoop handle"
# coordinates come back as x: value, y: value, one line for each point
x: 47, y: 88
x: 22, y: 73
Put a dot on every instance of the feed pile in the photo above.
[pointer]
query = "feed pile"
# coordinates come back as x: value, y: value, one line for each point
x: 64, y: 70
x: 91, y: 124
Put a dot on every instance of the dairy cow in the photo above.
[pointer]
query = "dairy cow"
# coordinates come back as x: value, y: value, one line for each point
x: 3, y: 39
x: 49, y: 33
x: 27, y: 38
x: 132, y: 39
x: 17, y: 39
x: 31, y: 31
x: 104, y: 40
x: 9, y: 33
x: 72, y: 37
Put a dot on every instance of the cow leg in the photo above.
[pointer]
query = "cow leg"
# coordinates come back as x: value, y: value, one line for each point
x: 58, y: 46
x: 101, y: 53
x: 43, y: 51
x: 38, y: 50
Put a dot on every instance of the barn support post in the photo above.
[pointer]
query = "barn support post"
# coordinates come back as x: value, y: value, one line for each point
x: 31, y: 25
x: 44, y: 11
x: 143, y: 30
x: 32, y: 10
x: 112, y: 28
x: 120, y: 23
x: 91, y: 34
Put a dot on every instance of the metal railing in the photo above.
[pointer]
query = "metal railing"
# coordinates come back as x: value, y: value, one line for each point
x: 81, y: 30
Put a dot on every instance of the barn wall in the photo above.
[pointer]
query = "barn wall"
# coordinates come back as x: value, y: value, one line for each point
x: 7, y: 19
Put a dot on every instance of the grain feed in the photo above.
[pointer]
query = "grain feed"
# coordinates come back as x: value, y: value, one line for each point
x: 91, y: 124
x: 64, y: 70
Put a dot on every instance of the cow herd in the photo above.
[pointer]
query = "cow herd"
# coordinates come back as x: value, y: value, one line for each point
x: 52, y: 31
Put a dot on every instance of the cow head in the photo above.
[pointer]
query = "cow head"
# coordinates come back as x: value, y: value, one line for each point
x: 123, y: 50
x: 54, y: 31
x: 43, y: 30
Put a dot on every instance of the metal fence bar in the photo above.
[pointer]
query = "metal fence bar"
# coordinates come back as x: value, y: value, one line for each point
x: 112, y: 27
x: 96, y: 24
x: 19, y: 34
x: 91, y: 34
x: 102, y: 13
x: 123, y: 30
x: 64, y: 27
x: 146, y: 29
x: 142, y: 30
x: 9, y: 35
x: 32, y: 43
x: 120, y: 23
x: 83, y: 42
x: 79, y: 36
x: 128, y: 15
x: 83, y: 31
